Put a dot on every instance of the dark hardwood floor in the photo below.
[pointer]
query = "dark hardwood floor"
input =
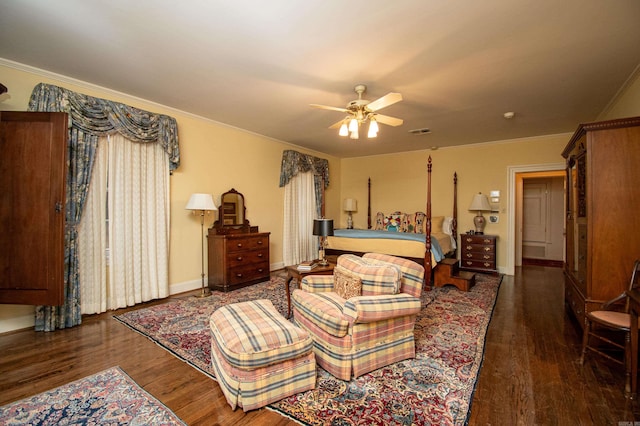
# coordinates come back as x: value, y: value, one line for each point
x: 530, y: 374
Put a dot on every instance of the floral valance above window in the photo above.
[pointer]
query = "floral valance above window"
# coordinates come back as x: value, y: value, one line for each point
x: 294, y: 162
x: 100, y: 117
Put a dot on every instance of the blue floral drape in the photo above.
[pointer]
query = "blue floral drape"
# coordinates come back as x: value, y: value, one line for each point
x: 294, y: 162
x: 89, y: 118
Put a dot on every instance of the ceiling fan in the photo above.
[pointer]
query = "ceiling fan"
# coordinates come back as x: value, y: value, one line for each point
x: 360, y: 110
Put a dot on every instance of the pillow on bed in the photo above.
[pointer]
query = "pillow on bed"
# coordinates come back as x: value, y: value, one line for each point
x: 379, y: 223
x: 420, y: 219
x: 436, y: 223
x: 393, y: 221
x: 447, y: 225
x: 408, y: 223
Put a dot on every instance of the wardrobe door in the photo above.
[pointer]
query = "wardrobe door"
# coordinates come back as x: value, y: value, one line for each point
x: 33, y: 151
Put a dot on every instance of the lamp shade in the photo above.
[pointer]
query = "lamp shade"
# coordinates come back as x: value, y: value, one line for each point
x: 350, y: 205
x: 201, y: 202
x: 323, y: 227
x: 480, y: 203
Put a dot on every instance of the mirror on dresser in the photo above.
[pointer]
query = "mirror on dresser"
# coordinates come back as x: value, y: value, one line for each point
x: 238, y: 252
x: 232, y: 217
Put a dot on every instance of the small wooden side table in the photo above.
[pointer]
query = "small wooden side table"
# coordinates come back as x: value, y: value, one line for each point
x: 294, y: 272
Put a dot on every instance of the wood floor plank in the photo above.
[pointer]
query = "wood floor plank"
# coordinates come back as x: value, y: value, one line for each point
x: 530, y: 373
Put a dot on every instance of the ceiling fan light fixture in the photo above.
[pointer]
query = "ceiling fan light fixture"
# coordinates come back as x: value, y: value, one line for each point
x: 354, y: 133
x: 373, y: 128
x: 353, y: 125
x: 344, y: 129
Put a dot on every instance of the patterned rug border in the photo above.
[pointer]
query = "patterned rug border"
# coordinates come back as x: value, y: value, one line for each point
x: 88, y: 388
x: 277, y: 280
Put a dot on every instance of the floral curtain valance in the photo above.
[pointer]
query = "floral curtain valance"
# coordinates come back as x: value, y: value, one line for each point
x: 100, y: 116
x: 294, y: 162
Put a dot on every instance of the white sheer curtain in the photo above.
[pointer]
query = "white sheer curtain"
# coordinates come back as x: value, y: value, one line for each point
x: 92, y: 238
x: 299, y: 243
x: 138, y: 227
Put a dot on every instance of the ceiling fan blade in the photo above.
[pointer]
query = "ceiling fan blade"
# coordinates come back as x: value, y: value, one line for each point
x: 389, y: 121
x: 328, y: 107
x: 337, y: 125
x: 385, y: 101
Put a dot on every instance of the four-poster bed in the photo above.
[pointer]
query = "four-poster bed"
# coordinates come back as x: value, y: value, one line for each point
x: 418, y: 236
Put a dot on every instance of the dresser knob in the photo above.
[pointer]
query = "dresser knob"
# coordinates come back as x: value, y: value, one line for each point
x: 239, y: 244
x: 239, y: 275
x: 487, y: 241
x: 487, y: 249
x: 239, y: 258
x: 469, y: 255
x: 469, y: 263
x: 259, y: 242
x: 259, y: 254
x: 487, y: 264
x: 469, y: 240
x: 260, y: 270
x: 469, y: 247
x: 486, y: 257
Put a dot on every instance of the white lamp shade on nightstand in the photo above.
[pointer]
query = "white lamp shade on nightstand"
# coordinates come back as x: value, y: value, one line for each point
x: 201, y: 202
x: 350, y: 205
x: 480, y: 203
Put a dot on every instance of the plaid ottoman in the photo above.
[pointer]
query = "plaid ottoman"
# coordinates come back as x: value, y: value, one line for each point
x: 259, y: 357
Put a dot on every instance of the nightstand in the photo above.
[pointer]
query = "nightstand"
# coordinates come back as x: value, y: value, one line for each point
x: 478, y: 253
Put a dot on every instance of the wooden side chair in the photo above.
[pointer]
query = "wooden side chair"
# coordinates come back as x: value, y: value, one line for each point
x: 612, y: 316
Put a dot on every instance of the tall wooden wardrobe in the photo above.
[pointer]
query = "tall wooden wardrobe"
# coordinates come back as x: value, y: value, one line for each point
x: 603, y: 212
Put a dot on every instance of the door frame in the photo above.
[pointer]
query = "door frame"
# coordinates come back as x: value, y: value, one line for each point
x: 514, y: 214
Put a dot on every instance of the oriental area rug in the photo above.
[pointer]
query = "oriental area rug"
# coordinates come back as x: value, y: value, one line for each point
x: 110, y: 397
x: 434, y: 388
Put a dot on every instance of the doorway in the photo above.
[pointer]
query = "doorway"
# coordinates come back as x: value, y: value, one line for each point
x: 517, y: 175
x: 542, y: 219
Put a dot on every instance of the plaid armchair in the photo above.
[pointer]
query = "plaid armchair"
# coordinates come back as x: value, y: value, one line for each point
x: 362, y: 317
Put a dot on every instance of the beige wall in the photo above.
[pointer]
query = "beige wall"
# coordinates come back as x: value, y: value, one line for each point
x: 214, y: 159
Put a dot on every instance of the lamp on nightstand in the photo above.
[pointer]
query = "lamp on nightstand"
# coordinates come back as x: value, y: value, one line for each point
x: 480, y: 203
x: 350, y: 205
x: 201, y: 203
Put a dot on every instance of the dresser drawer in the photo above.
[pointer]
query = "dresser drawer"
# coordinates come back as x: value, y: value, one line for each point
x: 478, y: 264
x: 247, y: 243
x: 240, y: 258
x: 474, y: 248
x: 478, y: 239
x: 481, y: 256
x: 249, y: 272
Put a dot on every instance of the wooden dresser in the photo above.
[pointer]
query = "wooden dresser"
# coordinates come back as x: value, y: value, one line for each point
x: 238, y: 253
x: 478, y: 253
x: 602, y: 226
x: 238, y: 260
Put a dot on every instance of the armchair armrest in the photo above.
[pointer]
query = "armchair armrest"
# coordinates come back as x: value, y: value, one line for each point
x: 361, y: 309
x: 317, y: 283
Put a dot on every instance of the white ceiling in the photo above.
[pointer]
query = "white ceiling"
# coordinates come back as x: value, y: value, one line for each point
x: 257, y: 64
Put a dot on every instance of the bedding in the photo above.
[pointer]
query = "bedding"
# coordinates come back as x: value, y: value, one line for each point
x: 402, y: 244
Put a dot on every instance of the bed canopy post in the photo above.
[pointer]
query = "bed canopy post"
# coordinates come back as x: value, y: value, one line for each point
x: 427, y: 252
x: 454, y: 222
x: 369, y: 204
